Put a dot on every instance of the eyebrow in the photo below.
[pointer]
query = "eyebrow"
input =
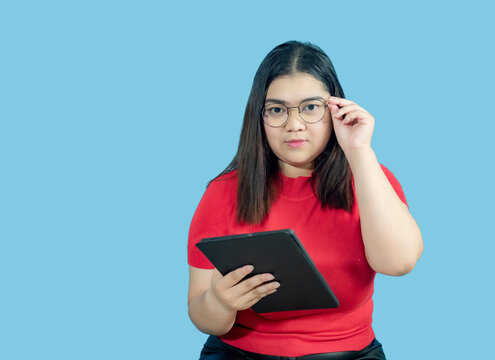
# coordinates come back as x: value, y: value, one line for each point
x: 278, y: 101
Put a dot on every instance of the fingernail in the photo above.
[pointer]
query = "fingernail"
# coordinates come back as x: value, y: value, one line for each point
x: 276, y: 285
x: 269, y: 277
x: 249, y: 268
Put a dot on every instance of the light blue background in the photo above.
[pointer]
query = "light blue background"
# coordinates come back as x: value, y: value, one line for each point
x: 114, y: 116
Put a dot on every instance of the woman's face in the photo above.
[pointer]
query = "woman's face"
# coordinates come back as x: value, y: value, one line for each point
x: 297, y: 144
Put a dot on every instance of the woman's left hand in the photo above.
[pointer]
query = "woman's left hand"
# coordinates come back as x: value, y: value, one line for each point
x: 352, y: 124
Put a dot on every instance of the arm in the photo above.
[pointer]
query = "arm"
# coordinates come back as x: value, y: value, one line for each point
x: 214, y: 299
x: 206, y: 313
x: 391, y: 237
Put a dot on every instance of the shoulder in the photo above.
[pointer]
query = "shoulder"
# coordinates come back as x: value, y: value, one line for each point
x: 226, y: 179
x: 223, y: 184
x: 216, y: 209
x: 220, y: 192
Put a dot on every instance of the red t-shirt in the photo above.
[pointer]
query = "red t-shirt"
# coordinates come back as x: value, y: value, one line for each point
x: 333, y: 240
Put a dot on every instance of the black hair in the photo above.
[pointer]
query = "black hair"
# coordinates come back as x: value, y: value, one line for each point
x: 256, y: 164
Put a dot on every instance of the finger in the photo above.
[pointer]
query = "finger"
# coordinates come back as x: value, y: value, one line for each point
x: 333, y: 112
x: 339, y: 101
x: 333, y: 109
x: 249, y: 284
x: 235, y: 276
x: 255, y: 295
x: 352, y: 117
x: 348, y: 108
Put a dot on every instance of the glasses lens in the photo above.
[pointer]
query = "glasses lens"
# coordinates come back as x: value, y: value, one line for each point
x: 274, y: 114
x: 312, y: 110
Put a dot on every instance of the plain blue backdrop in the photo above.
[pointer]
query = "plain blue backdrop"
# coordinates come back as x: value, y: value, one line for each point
x: 115, y: 115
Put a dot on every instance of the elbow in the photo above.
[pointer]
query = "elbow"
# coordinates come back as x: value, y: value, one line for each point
x: 400, y: 266
x: 401, y: 269
x: 400, y: 261
x: 408, y: 263
x: 397, y: 269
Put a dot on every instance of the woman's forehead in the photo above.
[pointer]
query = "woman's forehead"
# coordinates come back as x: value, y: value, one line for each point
x: 296, y: 87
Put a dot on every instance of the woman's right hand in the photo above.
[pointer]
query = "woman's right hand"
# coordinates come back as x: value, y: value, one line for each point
x: 235, y: 294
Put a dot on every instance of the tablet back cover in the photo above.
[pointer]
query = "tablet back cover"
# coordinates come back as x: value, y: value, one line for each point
x: 280, y: 253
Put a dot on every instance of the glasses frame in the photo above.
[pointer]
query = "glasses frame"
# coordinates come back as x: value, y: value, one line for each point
x: 325, y: 103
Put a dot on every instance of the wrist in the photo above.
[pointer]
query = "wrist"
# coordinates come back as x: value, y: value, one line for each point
x: 223, y: 317
x: 356, y: 157
x: 217, y: 305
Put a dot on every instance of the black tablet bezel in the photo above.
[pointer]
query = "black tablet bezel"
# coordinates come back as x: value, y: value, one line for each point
x: 278, y: 252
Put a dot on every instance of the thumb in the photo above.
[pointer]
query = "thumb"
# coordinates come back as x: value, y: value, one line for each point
x: 216, y: 275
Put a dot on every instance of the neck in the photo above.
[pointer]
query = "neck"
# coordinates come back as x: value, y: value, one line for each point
x: 295, y: 171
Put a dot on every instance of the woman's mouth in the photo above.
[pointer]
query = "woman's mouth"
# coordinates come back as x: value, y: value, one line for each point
x: 296, y: 143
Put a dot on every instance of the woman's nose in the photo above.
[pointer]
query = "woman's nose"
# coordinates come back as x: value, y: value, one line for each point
x: 294, y: 122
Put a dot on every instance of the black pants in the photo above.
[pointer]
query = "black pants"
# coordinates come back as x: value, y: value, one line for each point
x: 216, y: 349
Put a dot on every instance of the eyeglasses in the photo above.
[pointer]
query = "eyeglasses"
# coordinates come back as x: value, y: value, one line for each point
x: 310, y: 111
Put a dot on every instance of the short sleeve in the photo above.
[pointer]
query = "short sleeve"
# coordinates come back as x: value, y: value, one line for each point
x: 211, y: 218
x: 395, y: 184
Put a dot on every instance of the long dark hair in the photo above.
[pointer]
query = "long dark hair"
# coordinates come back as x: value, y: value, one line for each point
x: 256, y: 164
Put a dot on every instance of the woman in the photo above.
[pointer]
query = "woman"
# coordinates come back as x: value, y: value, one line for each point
x: 304, y: 162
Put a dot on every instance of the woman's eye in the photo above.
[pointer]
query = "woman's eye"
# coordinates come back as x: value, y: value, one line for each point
x: 310, y: 107
x: 275, y: 110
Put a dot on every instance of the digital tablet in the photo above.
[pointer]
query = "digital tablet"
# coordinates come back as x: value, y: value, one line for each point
x: 280, y: 253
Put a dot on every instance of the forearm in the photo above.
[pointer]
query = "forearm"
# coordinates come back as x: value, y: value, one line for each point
x: 209, y: 316
x: 391, y: 237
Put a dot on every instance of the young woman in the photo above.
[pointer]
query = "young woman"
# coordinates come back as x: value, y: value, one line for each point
x: 304, y: 162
